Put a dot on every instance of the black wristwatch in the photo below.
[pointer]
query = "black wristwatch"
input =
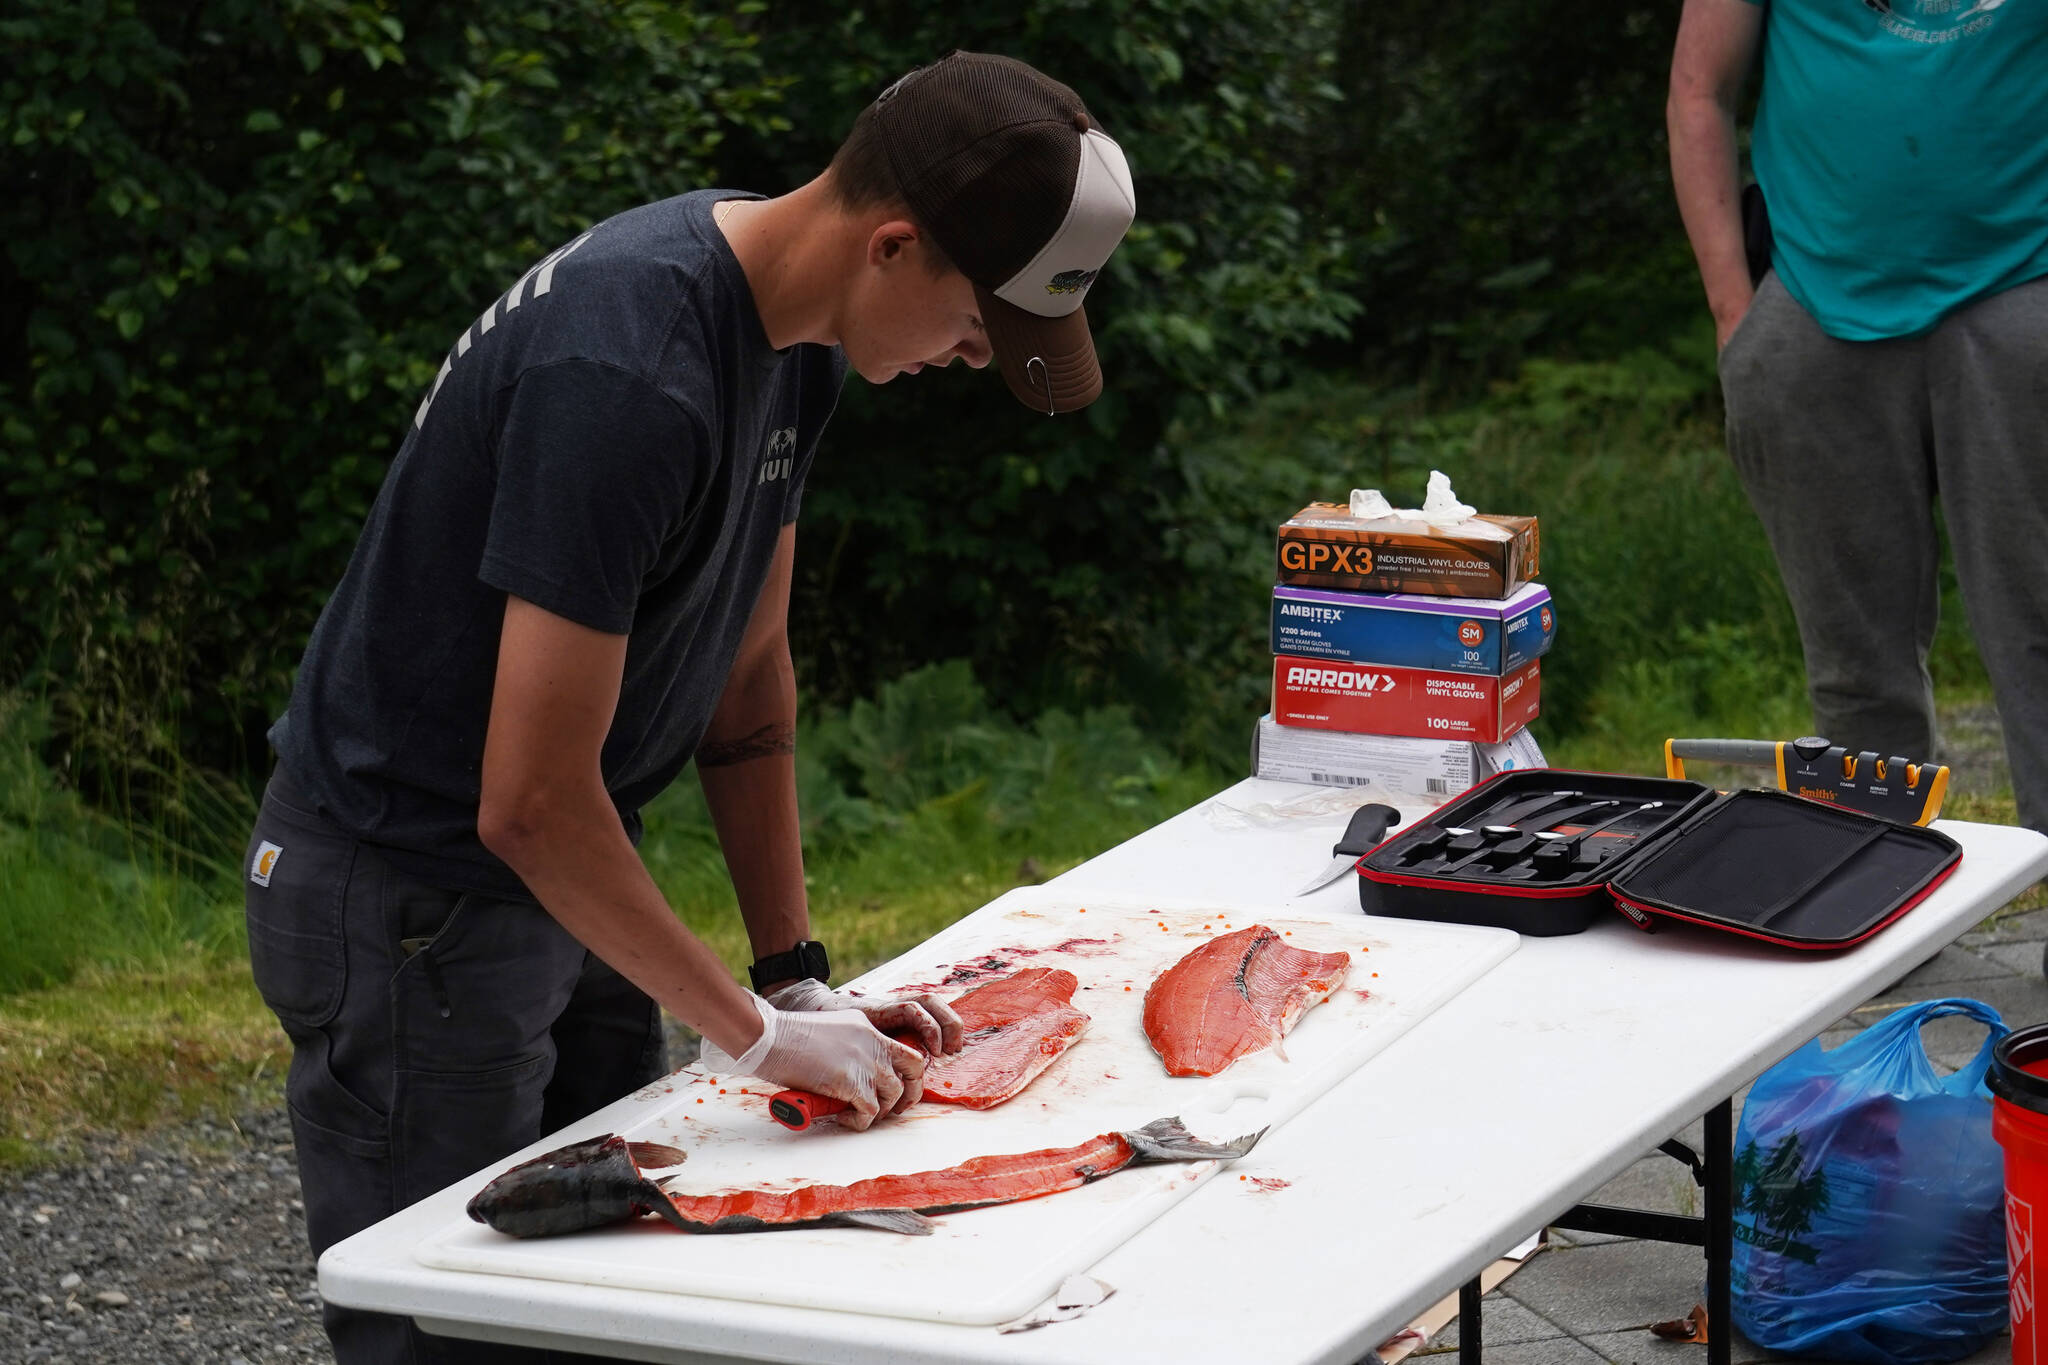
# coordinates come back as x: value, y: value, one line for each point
x: 806, y: 959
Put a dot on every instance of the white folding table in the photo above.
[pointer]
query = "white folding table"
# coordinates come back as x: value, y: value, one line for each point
x: 1496, y: 1114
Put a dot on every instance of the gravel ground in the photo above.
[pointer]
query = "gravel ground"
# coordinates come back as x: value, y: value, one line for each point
x: 190, y: 1245
x: 186, y: 1246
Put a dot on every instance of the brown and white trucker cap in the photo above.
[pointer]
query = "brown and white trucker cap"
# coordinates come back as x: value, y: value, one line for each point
x: 1007, y: 170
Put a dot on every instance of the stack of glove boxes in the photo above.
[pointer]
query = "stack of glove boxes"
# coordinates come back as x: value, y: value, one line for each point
x: 1406, y: 652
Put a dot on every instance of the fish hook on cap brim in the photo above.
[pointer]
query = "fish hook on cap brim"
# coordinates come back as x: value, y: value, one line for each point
x: 1044, y: 381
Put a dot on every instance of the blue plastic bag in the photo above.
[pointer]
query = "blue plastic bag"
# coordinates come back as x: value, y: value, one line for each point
x: 1870, y: 1200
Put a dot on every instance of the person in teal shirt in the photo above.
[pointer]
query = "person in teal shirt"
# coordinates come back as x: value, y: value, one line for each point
x: 1893, y: 356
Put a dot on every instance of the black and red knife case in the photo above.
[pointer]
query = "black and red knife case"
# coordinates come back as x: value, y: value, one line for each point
x: 1547, y: 851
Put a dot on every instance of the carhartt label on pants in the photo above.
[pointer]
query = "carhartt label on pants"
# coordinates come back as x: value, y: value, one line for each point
x: 266, y: 859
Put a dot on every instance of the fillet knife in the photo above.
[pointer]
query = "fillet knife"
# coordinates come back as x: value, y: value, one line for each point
x: 797, y: 1110
x: 1368, y: 826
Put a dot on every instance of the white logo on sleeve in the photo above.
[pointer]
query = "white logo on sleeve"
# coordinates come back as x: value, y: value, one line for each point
x: 781, y: 457
x: 266, y: 859
x: 542, y: 278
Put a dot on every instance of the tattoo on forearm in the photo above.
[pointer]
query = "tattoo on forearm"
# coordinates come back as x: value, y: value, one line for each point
x: 775, y: 738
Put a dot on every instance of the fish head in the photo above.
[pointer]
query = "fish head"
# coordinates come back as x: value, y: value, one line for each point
x: 556, y: 1191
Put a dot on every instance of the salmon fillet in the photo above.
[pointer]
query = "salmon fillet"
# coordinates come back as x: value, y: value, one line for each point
x: 1236, y: 994
x: 1016, y: 1027
x: 899, y: 1203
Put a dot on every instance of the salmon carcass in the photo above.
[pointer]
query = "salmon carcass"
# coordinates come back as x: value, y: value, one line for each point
x: 1235, y: 994
x: 896, y: 1203
x: 1015, y: 1028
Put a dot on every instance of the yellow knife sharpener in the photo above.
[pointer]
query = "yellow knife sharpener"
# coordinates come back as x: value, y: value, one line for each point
x: 1890, y: 788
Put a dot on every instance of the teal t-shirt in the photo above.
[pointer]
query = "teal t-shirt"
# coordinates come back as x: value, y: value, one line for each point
x: 1902, y: 146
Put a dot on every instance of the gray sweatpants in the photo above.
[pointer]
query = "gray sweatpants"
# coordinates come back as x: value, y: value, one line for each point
x: 1844, y: 447
x: 433, y: 1032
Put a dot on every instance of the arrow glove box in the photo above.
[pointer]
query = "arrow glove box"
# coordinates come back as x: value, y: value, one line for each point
x: 1378, y: 699
x: 1547, y: 851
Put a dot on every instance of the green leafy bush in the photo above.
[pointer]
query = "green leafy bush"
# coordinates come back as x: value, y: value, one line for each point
x: 1504, y: 168
x: 240, y: 235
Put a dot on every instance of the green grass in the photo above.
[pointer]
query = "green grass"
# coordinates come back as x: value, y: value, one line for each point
x: 79, y: 886
x: 126, y: 1048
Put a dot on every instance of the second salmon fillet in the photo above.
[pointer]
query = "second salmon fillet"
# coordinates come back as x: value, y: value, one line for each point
x: 1236, y: 994
x: 1016, y: 1027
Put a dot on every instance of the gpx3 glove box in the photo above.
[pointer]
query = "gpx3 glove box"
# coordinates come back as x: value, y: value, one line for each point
x: 1547, y: 851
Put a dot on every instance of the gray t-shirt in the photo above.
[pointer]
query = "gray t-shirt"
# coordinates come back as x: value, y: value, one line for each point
x: 615, y: 441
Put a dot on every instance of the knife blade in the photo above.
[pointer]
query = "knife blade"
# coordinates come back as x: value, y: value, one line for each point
x: 1367, y: 827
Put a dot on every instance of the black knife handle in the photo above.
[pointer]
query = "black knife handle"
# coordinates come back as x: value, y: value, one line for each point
x: 1367, y: 828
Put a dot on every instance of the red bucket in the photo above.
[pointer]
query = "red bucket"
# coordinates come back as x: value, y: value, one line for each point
x: 2019, y: 1120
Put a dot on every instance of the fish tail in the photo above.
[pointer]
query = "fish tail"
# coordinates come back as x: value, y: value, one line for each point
x: 1169, y: 1140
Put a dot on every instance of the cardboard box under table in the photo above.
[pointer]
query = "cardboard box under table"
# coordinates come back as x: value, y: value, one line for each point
x: 1492, y: 636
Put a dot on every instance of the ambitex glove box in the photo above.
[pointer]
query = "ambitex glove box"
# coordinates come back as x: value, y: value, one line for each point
x: 1547, y: 851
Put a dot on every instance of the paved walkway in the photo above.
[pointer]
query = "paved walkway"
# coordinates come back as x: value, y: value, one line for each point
x: 1589, y: 1298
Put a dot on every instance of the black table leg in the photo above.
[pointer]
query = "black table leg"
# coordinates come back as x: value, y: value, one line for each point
x: 1720, y: 1229
x: 1713, y: 1231
x: 1469, y: 1346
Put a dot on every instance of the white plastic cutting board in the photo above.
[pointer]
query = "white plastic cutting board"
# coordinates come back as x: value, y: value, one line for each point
x: 992, y: 1264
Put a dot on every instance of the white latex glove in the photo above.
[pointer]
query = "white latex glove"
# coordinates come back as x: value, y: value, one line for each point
x: 1440, y: 506
x: 931, y: 1019
x: 1370, y: 503
x: 830, y: 1052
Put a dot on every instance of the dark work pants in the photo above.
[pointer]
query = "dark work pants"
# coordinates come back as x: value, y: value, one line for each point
x: 433, y: 1032
x: 1844, y: 447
